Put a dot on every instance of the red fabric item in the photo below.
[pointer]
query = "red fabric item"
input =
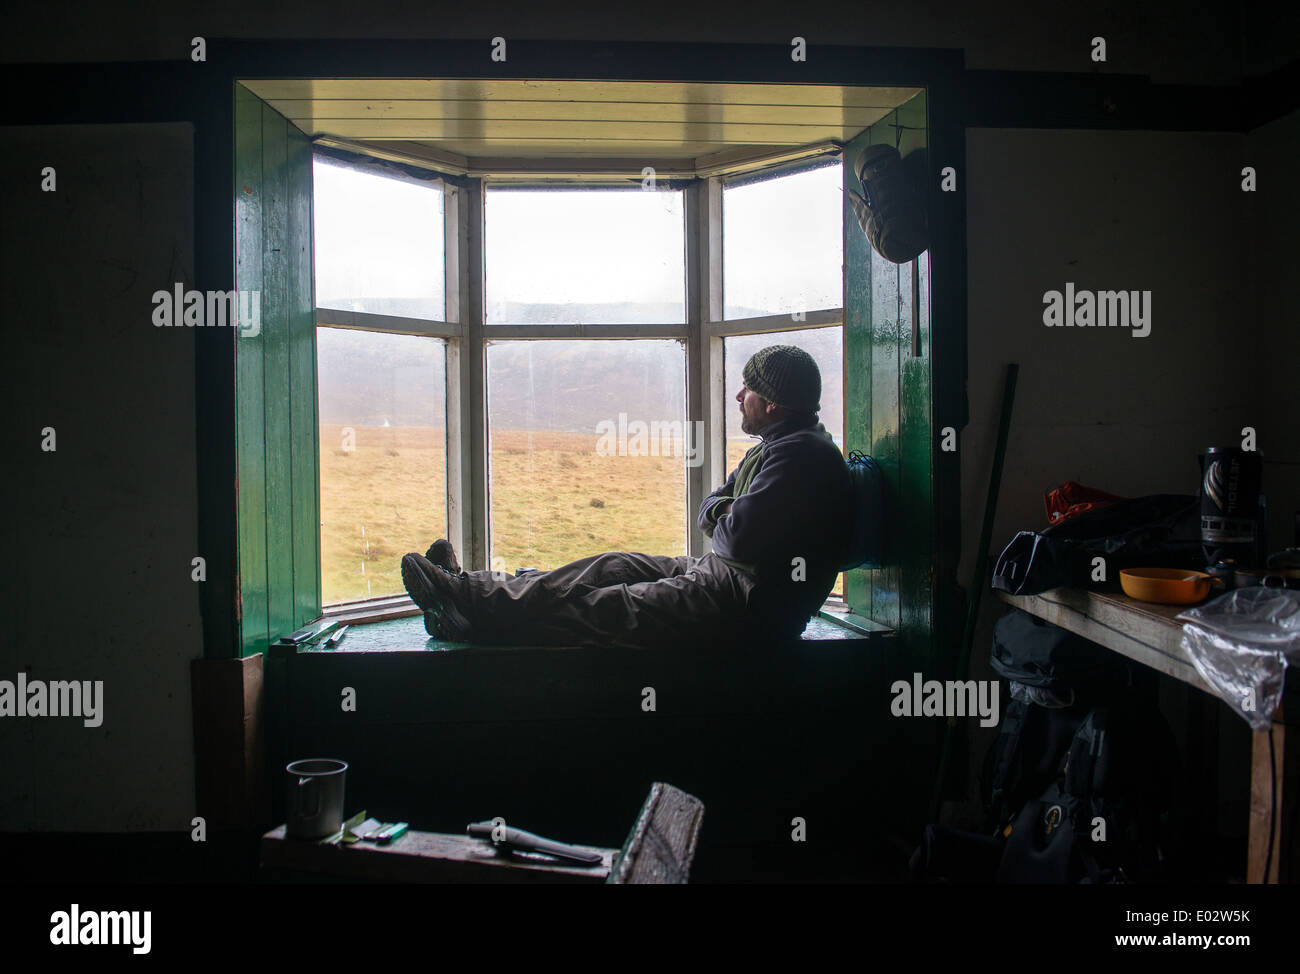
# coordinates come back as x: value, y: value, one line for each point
x: 1073, y: 498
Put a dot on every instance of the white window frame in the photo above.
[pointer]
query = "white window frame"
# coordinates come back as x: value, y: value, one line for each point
x: 466, y: 335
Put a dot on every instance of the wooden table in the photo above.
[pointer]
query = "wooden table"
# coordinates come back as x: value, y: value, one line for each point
x: 1146, y: 632
x: 426, y: 857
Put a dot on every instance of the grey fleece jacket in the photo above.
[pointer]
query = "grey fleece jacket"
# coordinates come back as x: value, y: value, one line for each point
x: 790, y: 500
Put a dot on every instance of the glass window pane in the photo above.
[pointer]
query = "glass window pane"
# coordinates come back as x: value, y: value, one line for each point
x: 383, y: 457
x: 782, y: 248
x: 585, y: 256
x: 826, y: 348
x: 588, y: 450
x: 379, y: 243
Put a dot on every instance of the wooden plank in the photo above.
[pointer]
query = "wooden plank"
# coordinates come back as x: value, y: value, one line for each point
x: 230, y: 774
x: 250, y: 460
x: 1142, y: 631
x: 471, y: 137
x: 858, y: 584
x: 541, y: 683
x: 661, y: 845
x: 605, y: 92
x: 767, y: 323
x: 389, y: 324
x: 318, y: 113
x: 916, y: 431
x: 885, y: 387
x: 506, y: 332
x: 427, y: 857
x: 698, y: 402
x: 1273, y: 796
x: 275, y: 348
x: 467, y: 460
x: 304, y: 426
x: 885, y: 446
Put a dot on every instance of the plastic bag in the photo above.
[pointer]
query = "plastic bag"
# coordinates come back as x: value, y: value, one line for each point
x: 1241, y: 643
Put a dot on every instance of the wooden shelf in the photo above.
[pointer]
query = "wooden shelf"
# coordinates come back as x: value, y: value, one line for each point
x: 426, y: 857
x: 1142, y: 631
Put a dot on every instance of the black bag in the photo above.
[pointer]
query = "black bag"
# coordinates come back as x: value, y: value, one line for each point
x: 1054, y: 771
x: 1024, y: 758
x: 890, y: 209
x: 1033, y: 651
x: 868, y: 492
x: 1105, y: 816
x: 1158, y: 530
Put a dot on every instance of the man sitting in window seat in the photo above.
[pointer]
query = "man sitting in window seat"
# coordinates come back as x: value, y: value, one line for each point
x: 779, y: 530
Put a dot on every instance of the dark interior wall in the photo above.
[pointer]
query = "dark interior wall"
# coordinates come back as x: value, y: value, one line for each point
x: 1104, y: 210
x: 1141, y: 210
x: 102, y: 530
x: 1185, y: 42
x: 1273, y: 267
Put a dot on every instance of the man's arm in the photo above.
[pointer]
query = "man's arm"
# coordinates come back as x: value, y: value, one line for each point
x: 771, y: 517
x: 716, y: 504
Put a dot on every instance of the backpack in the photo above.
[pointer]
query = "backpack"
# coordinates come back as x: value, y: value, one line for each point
x: 868, y: 503
x: 1158, y: 530
x: 1110, y: 813
x: 1037, y: 653
x: 890, y: 210
x: 1093, y: 760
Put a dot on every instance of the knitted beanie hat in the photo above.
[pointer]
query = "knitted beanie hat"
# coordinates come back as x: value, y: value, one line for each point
x: 785, y: 375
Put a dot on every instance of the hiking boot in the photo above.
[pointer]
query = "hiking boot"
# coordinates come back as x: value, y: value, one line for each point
x: 434, y: 588
x: 442, y: 554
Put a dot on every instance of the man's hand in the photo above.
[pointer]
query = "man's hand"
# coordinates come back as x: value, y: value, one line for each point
x: 722, y: 510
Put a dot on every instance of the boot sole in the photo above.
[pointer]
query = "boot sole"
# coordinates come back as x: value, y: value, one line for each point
x: 423, y: 585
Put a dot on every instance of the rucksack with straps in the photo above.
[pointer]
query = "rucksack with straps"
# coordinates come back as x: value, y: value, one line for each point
x: 1081, y: 783
x: 1109, y: 813
x: 890, y: 208
x: 1157, y: 530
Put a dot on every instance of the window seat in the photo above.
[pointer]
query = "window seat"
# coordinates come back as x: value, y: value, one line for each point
x: 565, y: 741
x: 407, y: 634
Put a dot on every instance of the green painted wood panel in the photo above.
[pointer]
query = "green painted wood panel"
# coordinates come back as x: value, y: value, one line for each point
x: 275, y: 347
x: 250, y: 437
x: 916, y: 430
x: 917, y: 480
x: 888, y: 393
x: 884, y: 433
x: 857, y: 354
x: 275, y: 379
x: 303, y: 425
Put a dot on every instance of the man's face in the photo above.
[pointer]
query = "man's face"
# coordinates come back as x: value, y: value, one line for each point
x: 754, y: 411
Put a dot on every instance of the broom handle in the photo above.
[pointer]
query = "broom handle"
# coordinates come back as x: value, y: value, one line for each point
x: 981, y: 566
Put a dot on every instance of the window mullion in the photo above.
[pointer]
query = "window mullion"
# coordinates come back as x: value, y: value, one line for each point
x: 466, y: 394
x: 473, y: 316
x: 703, y: 353
x: 715, y: 374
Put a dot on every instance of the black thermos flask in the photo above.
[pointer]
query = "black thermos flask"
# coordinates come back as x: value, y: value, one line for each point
x: 1232, y: 506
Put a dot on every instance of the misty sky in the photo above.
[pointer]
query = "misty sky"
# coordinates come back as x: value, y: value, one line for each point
x: 383, y: 238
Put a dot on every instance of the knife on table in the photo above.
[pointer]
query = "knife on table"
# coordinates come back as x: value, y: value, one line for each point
x: 528, y: 842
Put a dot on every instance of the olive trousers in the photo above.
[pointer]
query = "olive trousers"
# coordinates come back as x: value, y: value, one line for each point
x: 618, y: 599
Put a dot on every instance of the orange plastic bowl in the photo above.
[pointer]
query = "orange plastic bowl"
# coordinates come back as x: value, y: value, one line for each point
x: 1170, y: 586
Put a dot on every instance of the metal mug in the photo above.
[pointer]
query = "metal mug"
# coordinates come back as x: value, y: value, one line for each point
x: 315, y: 798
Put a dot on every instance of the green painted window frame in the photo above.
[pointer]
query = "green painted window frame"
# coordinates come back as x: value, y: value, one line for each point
x: 276, y: 424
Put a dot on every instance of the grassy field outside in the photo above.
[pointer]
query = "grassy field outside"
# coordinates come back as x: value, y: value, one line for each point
x: 554, y: 499
x: 379, y: 500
